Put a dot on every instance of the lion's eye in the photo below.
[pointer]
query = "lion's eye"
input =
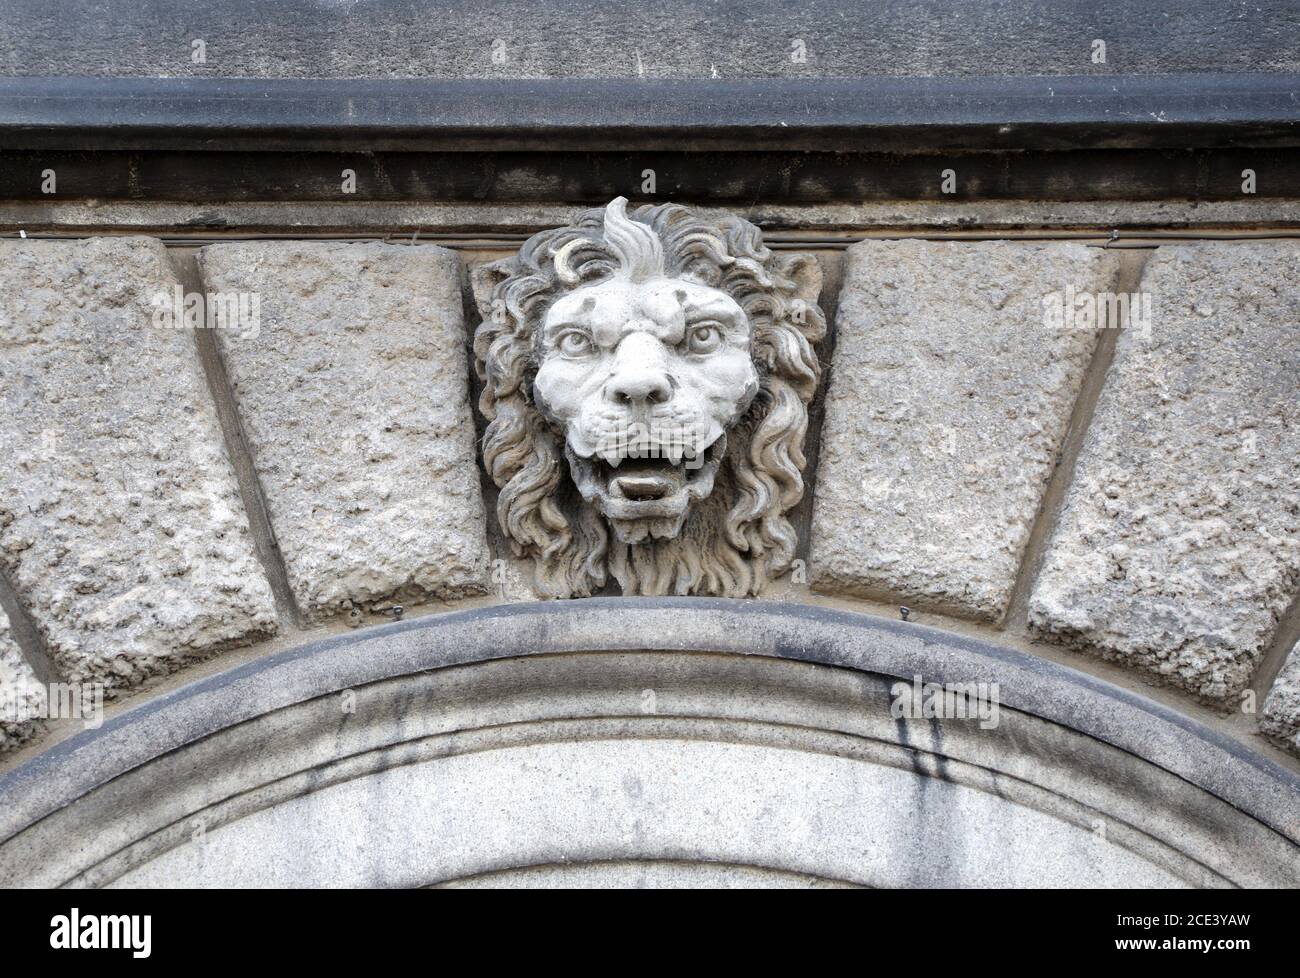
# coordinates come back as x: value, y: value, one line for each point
x: 575, y: 343
x: 704, y: 338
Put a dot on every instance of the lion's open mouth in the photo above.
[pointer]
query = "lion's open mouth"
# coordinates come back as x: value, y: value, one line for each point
x: 646, y: 497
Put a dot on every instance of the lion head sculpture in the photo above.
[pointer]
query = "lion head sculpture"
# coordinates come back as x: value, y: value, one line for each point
x: 646, y: 379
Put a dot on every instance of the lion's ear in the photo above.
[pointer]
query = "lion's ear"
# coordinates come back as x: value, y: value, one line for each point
x: 806, y: 272
x: 485, y: 278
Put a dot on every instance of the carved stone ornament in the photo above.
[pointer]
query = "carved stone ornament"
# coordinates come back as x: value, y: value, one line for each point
x: 646, y: 382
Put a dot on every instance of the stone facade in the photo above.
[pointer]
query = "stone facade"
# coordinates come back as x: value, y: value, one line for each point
x: 524, y: 444
x: 949, y: 400
x: 1170, y: 547
x: 1179, y: 546
x: 354, y: 398
x: 121, y: 526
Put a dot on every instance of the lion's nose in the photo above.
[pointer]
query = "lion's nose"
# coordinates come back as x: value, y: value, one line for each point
x: 640, y: 377
x: 639, y: 387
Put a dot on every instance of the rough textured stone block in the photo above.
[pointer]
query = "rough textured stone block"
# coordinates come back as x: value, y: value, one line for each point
x: 120, y: 521
x: 950, y: 394
x: 1179, y: 544
x: 22, y: 697
x: 1281, y: 716
x: 354, y: 397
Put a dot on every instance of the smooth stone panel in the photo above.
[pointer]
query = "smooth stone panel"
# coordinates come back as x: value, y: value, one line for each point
x: 950, y: 395
x: 354, y: 397
x: 121, y: 524
x: 802, y: 812
x: 1178, y: 548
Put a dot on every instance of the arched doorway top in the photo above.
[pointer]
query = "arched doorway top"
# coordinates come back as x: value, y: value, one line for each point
x: 768, y: 651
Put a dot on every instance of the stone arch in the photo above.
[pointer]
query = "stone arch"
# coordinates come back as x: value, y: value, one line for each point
x: 625, y: 741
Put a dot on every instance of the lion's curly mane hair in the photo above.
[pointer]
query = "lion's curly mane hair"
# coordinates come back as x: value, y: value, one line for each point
x: 737, y: 537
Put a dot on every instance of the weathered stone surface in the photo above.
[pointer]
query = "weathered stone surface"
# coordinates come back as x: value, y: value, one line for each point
x: 949, y: 398
x: 22, y: 697
x: 668, y: 39
x: 120, y: 521
x: 1179, y: 544
x: 354, y: 397
x: 520, y: 752
x: 1281, y: 717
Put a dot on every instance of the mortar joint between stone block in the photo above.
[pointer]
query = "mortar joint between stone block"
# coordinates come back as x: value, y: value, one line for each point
x: 1128, y: 278
x: 1285, y: 638
x: 27, y: 635
x: 189, y: 272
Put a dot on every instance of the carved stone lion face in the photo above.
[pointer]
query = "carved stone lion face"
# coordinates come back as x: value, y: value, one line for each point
x: 645, y: 381
x: 643, y: 378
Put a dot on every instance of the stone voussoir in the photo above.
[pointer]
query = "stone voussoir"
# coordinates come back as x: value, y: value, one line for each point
x: 353, y: 394
x: 1280, y: 720
x: 121, y: 524
x: 1178, y: 547
x: 22, y: 697
x: 950, y: 395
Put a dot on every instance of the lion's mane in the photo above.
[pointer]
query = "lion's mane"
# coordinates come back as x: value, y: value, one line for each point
x: 738, y: 537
